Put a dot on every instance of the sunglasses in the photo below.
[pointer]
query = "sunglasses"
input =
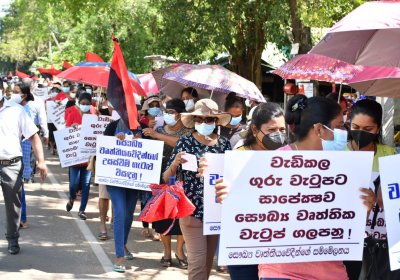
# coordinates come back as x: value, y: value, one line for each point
x: 206, y: 120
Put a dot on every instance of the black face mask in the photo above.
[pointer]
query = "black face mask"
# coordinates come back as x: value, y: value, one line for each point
x: 274, y: 140
x: 362, y: 138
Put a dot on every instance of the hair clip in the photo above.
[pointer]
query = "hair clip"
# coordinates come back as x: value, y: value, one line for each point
x: 301, y: 104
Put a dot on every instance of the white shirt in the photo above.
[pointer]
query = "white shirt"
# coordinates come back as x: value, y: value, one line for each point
x: 14, y: 123
x: 38, y: 114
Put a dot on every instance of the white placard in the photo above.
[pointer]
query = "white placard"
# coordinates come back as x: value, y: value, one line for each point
x: 212, y: 209
x: 42, y: 93
x: 390, y: 184
x: 132, y: 163
x: 67, y: 141
x: 293, y: 206
x: 92, y: 126
x: 191, y: 162
x: 55, y: 114
x: 115, y: 116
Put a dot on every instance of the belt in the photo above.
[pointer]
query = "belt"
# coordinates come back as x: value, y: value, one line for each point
x: 6, y: 162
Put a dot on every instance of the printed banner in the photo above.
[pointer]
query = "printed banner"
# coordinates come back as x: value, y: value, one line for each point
x: 390, y: 184
x: 92, y: 126
x: 55, y: 114
x: 132, y: 163
x: 293, y: 206
x: 67, y: 141
x: 212, y: 209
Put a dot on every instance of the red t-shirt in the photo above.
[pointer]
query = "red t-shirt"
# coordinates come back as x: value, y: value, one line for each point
x: 73, y: 115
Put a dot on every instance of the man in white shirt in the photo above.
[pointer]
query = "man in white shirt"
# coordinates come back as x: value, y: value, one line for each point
x: 15, y: 123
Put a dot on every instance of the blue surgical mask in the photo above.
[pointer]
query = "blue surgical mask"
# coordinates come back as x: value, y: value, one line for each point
x: 339, y: 141
x: 84, y: 108
x: 170, y: 119
x: 236, y: 121
x: 88, y: 90
x: 204, y: 128
x: 65, y: 89
x: 155, y: 111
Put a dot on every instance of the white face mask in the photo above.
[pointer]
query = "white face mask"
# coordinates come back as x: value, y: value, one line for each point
x: 189, y: 104
x: 72, y: 95
x: 17, y: 98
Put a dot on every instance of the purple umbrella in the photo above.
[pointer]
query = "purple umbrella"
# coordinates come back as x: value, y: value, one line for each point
x: 214, y: 78
x: 369, y: 35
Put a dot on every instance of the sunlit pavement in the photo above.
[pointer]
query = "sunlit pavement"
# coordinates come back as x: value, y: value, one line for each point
x: 58, y: 245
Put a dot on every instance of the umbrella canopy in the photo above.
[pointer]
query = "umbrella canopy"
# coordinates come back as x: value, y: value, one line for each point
x: 319, y: 68
x: 369, y: 35
x: 378, y: 81
x: 93, y: 73
x: 148, y: 83
x: 167, y: 202
x: 213, y: 78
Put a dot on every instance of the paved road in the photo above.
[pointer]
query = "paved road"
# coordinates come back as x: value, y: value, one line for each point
x: 58, y: 245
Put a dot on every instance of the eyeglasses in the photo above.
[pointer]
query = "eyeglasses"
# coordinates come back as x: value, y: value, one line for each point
x: 206, y: 120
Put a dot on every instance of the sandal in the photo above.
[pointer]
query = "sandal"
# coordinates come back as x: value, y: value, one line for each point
x: 119, y: 267
x: 166, y: 262
x: 128, y: 256
x: 82, y: 215
x: 222, y: 269
x: 156, y: 237
x: 182, y: 262
x: 24, y: 225
x: 146, y: 233
x: 102, y: 236
x: 70, y: 204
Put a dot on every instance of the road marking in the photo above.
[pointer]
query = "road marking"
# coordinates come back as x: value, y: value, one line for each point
x: 94, y: 244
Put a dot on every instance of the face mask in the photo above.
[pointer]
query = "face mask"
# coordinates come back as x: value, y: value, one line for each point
x: 189, y: 104
x: 236, y: 121
x: 274, y: 140
x: 65, y: 89
x: 204, y: 129
x: 84, y: 108
x: 17, y: 98
x: 170, y: 119
x: 155, y: 111
x: 53, y: 93
x: 72, y: 95
x: 339, y: 140
x: 362, y: 138
x: 88, y: 90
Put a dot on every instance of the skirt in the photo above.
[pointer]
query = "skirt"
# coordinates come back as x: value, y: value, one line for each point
x: 162, y: 225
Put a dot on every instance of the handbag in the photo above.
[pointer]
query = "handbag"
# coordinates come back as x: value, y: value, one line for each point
x: 375, y: 263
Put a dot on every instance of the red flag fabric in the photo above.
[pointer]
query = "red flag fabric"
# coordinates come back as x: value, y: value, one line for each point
x: 50, y: 71
x: 21, y: 75
x: 66, y: 64
x: 121, y: 88
x: 92, y: 57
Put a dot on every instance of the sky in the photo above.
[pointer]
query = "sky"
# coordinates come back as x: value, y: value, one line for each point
x: 4, y: 5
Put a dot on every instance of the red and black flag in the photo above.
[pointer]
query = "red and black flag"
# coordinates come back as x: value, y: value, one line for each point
x: 121, y: 88
x: 92, y: 57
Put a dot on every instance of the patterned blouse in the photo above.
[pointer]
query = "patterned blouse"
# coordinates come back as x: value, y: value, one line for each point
x: 193, y: 185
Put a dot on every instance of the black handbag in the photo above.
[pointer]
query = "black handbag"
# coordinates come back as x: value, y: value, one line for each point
x: 375, y: 263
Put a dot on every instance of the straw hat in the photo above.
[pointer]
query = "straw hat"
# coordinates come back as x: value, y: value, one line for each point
x: 205, y: 108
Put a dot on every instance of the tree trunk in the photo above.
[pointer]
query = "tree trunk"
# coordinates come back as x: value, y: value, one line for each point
x: 301, y: 33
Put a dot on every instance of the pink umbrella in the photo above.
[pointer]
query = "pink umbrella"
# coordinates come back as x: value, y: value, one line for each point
x: 319, y: 68
x: 377, y: 81
x: 148, y: 83
x: 369, y: 35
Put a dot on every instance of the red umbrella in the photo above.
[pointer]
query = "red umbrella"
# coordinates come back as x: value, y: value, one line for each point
x: 148, y: 83
x: 167, y: 202
x: 21, y: 75
x: 49, y: 71
x: 92, y: 57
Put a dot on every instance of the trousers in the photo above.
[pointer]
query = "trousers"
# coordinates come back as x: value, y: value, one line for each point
x: 200, y: 248
x: 11, y: 185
